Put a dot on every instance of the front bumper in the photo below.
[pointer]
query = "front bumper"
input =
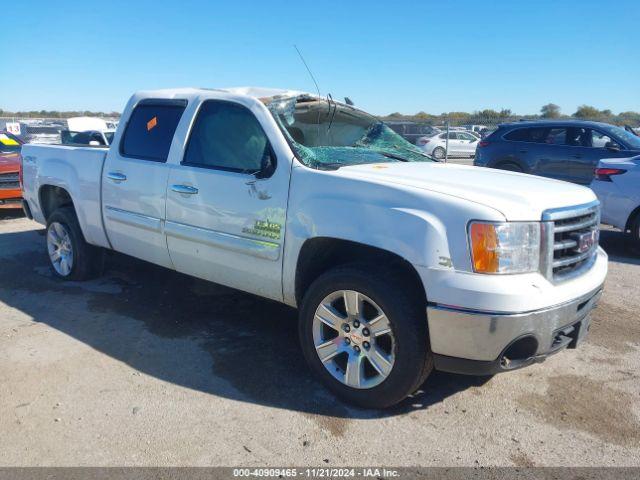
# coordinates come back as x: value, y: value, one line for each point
x: 521, y: 339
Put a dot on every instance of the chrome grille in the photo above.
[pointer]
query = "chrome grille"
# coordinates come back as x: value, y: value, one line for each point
x: 9, y: 181
x: 572, y: 236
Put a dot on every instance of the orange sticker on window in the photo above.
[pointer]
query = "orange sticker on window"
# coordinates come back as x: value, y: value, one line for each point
x: 152, y: 123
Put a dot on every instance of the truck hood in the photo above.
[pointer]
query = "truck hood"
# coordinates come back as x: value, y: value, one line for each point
x: 516, y: 195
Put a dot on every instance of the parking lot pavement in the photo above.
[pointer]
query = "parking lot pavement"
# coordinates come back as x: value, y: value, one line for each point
x: 145, y: 366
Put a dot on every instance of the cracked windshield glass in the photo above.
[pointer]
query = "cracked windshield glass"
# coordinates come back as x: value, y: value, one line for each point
x: 328, y: 135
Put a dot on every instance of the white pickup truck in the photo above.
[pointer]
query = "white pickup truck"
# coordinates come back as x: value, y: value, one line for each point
x: 399, y: 265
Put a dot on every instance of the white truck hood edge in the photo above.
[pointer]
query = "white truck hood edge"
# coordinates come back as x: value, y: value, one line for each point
x: 519, y: 197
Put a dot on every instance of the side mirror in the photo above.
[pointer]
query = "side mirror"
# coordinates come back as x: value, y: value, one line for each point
x: 267, y: 165
x: 94, y: 143
x: 613, y: 146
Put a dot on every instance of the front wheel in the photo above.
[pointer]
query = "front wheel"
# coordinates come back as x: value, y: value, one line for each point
x: 364, y: 334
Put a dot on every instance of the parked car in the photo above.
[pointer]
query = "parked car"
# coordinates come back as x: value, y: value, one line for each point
x: 411, y: 131
x: 476, y: 129
x: 461, y: 144
x: 566, y: 150
x: 398, y: 265
x: 10, y: 194
x: 90, y: 137
x: 617, y: 185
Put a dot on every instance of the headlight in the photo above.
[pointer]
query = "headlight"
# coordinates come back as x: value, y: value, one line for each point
x: 505, y: 247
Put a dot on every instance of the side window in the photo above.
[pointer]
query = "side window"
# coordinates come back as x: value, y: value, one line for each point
x: 150, y: 130
x: 599, y: 139
x: 227, y: 136
x: 518, y: 135
x: 578, y: 137
x: 453, y: 136
x: 556, y: 136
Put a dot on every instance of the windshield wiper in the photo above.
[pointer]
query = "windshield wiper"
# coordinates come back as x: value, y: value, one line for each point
x: 331, y: 165
x: 394, y: 156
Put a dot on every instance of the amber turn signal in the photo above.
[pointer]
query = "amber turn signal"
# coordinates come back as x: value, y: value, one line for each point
x: 484, y: 248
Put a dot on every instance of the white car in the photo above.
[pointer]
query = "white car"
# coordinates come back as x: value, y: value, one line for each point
x: 461, y: 144
x: 617, y: 185
x: 398, y: 265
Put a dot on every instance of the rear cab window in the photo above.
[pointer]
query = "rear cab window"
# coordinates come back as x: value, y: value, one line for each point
x: 150, y: 129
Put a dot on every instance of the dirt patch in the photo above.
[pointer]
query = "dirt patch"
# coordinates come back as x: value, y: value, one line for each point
x: 574, y: 402
x: 521, y: 459
x: 336, y: 427
x: 615, y: 328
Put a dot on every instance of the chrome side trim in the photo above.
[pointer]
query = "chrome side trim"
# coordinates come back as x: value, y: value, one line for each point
x: 134, y: 219
x: 235, y: 243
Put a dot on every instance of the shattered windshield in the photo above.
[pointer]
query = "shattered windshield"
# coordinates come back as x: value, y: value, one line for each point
x: 326, y: 134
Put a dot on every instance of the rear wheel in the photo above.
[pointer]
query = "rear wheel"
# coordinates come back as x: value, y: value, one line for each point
x: 71, y: 257
x: 364, y: 334
x: 438, y: 153
x: 510, y: 167
x: 635, y: 230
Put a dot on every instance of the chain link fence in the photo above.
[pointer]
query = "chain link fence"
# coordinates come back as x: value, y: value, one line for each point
x: 52, y: 130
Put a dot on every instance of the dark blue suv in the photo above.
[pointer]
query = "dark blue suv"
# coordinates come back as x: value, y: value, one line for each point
x: 567, y: 150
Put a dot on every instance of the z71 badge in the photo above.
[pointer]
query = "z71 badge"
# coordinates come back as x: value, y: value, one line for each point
x: 264, y: 228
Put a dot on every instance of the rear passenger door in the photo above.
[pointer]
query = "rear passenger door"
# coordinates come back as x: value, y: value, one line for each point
x: 455, y: 144
x: 554, y: 158
x: 134, y: 181
x: 224, y: 224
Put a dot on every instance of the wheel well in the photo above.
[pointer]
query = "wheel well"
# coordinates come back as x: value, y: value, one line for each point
x: 631, y: 218
x: 509, y: 162
x: 319, y: 255
x: 52, y: 198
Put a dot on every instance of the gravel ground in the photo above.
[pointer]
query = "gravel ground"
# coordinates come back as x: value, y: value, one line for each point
x: 145, y: 366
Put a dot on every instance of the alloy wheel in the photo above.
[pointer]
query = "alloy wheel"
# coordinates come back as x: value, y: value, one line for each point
x: 60, y: 249
x: 353, y: 339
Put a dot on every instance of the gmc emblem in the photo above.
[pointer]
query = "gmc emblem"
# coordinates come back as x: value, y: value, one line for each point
x: 587, y: 240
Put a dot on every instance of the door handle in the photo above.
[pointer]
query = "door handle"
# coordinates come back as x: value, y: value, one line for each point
x: 185, y: 189
x: 116, y: 176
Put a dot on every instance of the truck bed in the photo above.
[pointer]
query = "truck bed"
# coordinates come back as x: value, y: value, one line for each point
x: 78, y: 170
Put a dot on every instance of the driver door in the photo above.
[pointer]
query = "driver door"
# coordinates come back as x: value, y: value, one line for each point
x: 224, y: 222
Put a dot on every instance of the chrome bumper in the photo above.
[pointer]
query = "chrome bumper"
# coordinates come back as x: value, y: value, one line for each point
x: 473, y: 342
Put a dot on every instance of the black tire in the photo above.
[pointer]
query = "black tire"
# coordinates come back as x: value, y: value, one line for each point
x: 87, y: 259
x: 406, y: 312
x: 635, y: 231
x: 510, y: 167
x: 438, y: 153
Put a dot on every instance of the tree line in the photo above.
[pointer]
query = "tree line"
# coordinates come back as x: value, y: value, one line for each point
x: 549, y: 111
x: 57, y: 114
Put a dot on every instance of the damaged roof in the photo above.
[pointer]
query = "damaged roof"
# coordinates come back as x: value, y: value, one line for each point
x: 264, y: 94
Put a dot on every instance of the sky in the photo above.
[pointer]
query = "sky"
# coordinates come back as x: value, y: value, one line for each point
x: 410, y: 56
